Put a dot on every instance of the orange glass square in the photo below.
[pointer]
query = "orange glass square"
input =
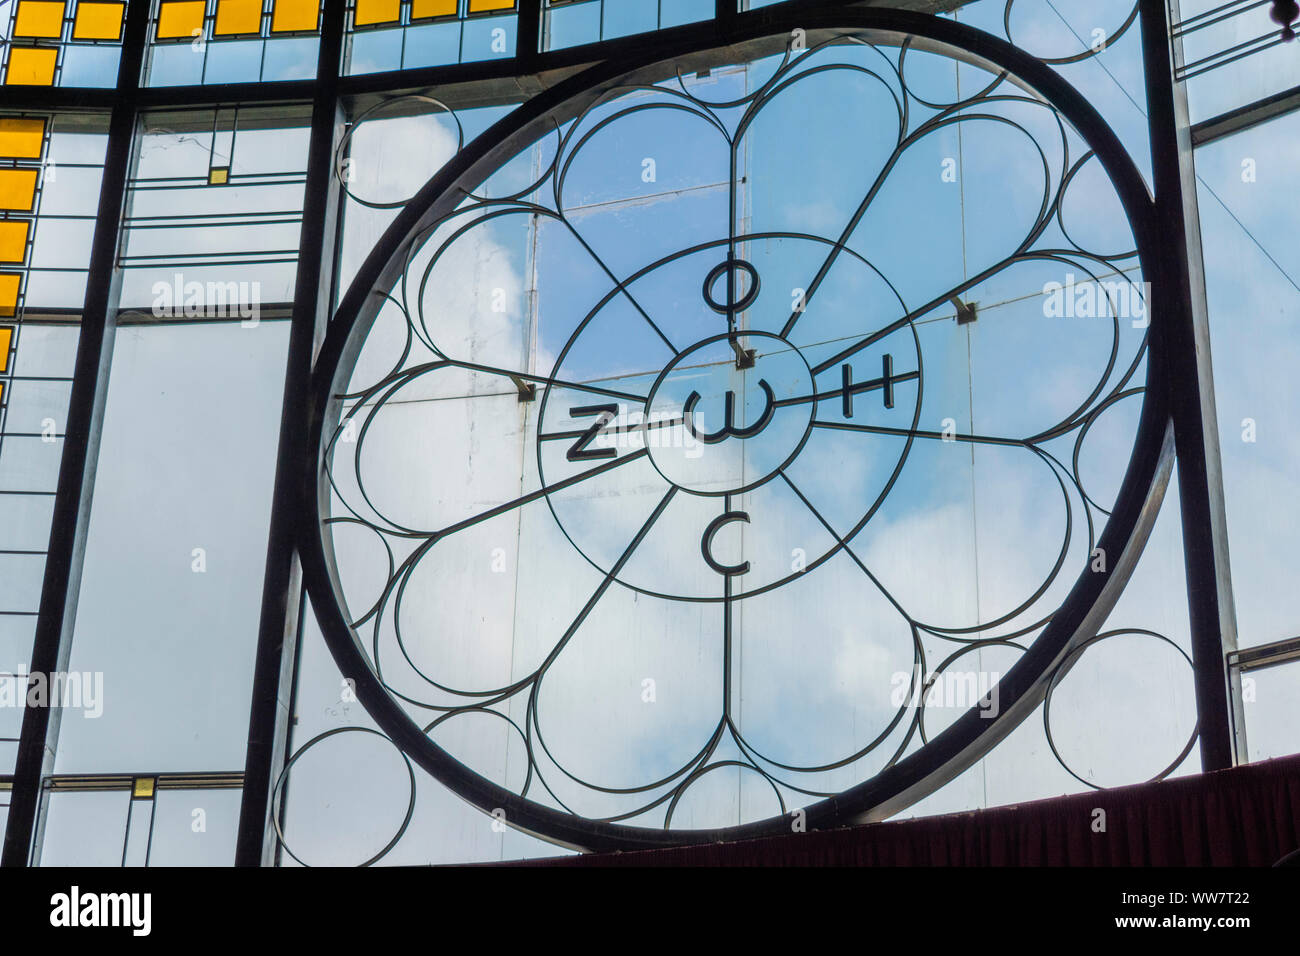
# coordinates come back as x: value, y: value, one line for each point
x: 483, y: 6
x: 31, y: 66
x: 379, y: 11
x: 39, y: 18
x: 21, y: 138
x: 17, y: 189
x: 289, y: 16
x: 9, y: 282
x: 181, y: 19
x: 238, y: 16
x: 423, y: 9
x: 13, y: 239
x: 98, y: 21
x: 6, y: 337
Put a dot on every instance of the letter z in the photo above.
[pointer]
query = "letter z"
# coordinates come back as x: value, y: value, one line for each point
x: 580, y: 451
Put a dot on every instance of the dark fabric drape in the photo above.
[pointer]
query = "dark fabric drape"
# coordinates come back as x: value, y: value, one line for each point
x: 1246, y: 816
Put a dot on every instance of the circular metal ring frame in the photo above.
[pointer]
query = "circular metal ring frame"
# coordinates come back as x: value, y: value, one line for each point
x: 1073, y: 658
x: 277, y: 792
x: 1021, y: 690
x: 375, y: 113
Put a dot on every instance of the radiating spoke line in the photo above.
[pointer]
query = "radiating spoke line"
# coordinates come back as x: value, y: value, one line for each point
x: 622, y: 287
x: 613, y: 429
x: 876, y: 336
x: 609, y: 578
x: 406, y: 376
x: 732, y: 298
x: 840, y: 244
x: 839, y: 392
x: 831, y: 257
x: 899, y: 323
x: 539, y: 493
x: 935, y: 123
x: 551, y: 382
x: 844, y: 546
x: 916, y: 433
x: 728, y: 622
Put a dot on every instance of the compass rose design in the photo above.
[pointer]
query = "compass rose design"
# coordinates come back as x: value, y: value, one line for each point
x: 656, y: 534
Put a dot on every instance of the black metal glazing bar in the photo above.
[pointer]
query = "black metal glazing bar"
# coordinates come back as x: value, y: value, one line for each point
x: 1215, y: 15
x: 76, y: 471
x: 272, y: 704
x: 460, y: 85
x: 1184, y: 323
x: 528, y: 35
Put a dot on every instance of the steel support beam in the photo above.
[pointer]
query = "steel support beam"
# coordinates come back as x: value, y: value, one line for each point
x: 1266, y: 655
x: 58, y: 607
x: 1246, y: 117
x: 1184, y: 322
x: 270, y: 714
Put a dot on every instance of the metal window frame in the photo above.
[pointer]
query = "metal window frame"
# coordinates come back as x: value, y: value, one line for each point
x: 511, y: 79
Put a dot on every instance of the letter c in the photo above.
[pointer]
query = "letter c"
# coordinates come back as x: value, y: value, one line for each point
x: 706, y: 544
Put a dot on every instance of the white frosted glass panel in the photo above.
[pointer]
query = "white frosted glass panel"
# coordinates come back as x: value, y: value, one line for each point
x: 171, y: 590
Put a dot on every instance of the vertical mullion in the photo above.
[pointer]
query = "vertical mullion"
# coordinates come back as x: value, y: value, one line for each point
x: 1184, y: 326
x: 275, y: 858
x: 528, y: 35
x: 277, y: 642
x: 72, y: 502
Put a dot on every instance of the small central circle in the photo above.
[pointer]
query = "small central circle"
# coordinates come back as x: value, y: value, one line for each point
x: 715, y: 429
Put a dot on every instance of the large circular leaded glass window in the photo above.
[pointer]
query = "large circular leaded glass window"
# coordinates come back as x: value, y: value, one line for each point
x: 697, y: 422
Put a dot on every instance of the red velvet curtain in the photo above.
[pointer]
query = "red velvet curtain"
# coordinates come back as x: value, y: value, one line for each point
x: 1247, y: 816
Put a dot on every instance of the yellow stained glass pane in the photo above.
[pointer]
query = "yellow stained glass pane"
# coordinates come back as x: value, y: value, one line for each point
x: 17, y: 189
x: 218, y: 175
x: 421, y: 9
x: 238, y: 16
x: 31, y: 66
x: 180, y: 19
x: 382, y: 11
x: 21, y: 138
x: 13, y: 240
x: 98, y: 21
x: 9, y: 282
x: 294, y: 15
x: 39, y: 18
x: 143, y: 788
x: 9, y: 292
x: 6, y: 337
x: 483, y: 6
